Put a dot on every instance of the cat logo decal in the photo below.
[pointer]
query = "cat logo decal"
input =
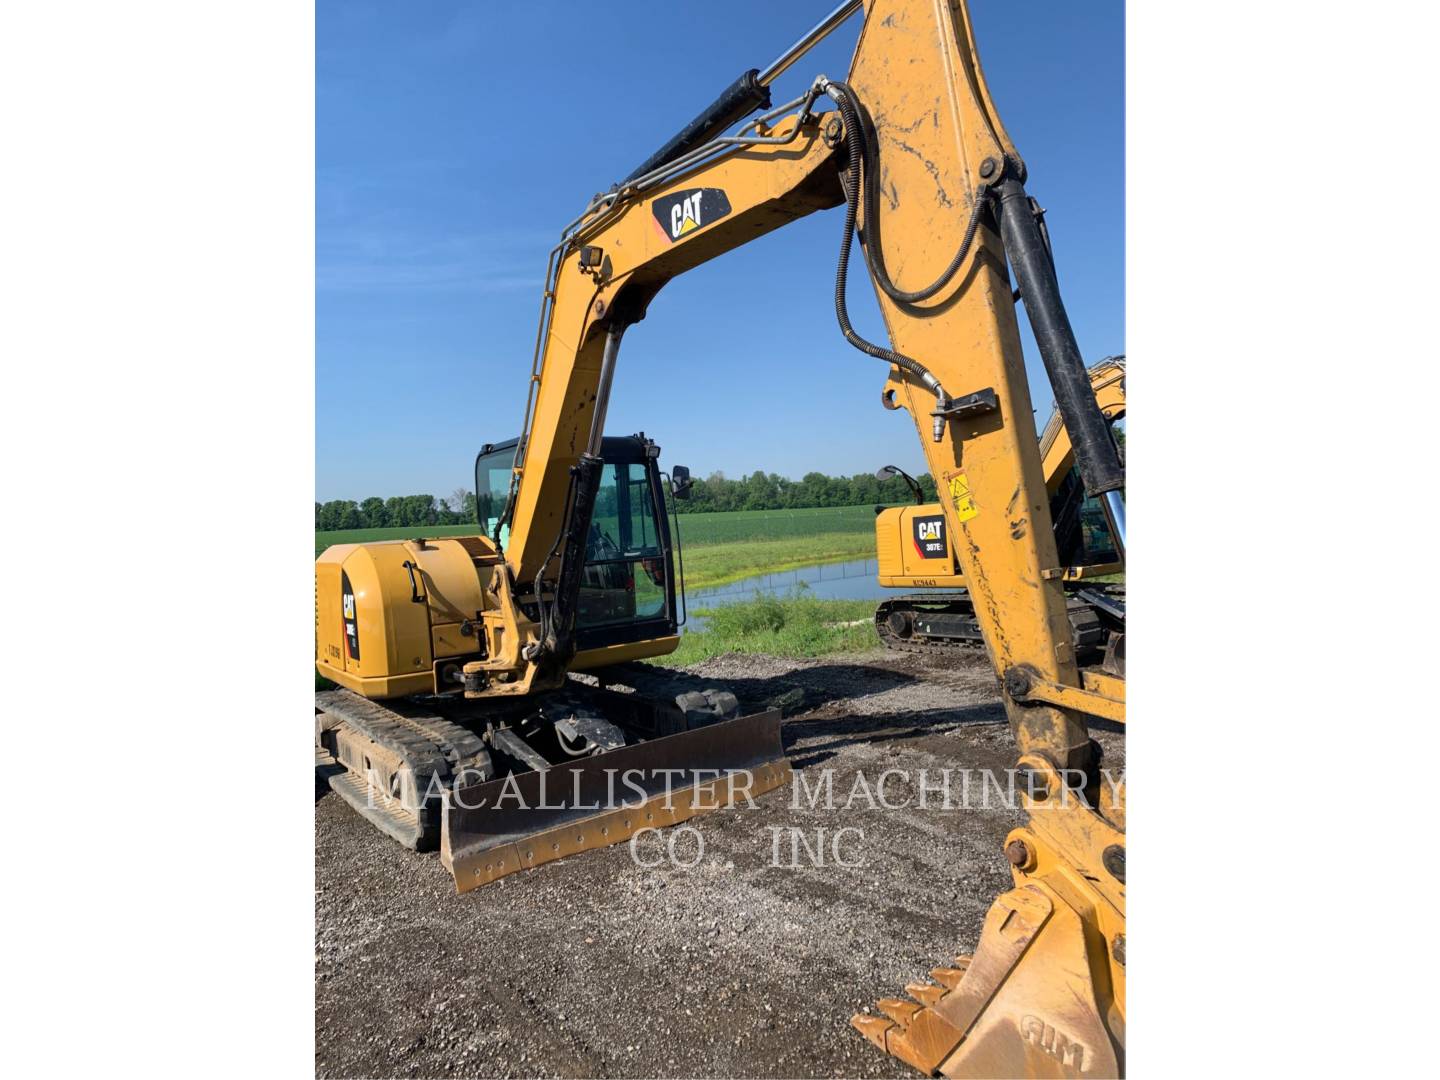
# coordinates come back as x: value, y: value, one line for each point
x: 682, y: 212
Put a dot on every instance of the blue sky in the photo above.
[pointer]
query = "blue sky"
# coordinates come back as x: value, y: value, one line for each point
x: 454, y: 140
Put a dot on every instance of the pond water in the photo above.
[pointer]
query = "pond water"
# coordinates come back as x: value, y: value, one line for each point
x: 854, y: 580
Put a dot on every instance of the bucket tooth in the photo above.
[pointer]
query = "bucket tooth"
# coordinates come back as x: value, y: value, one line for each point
x: 963, y: 962
x: 915, y: 1034
x: 948, y: 977
x: 1027, y: 1006
x: 925, y: 993
x: 872, y: 1027
x: 898, y: 1009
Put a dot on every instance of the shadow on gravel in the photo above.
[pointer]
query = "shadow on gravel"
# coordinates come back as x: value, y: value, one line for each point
x: 795, y: 691
x: 322, y: 779
x: 893, y: 729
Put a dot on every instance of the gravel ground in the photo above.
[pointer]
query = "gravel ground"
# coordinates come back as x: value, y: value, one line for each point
x: 595, y: 966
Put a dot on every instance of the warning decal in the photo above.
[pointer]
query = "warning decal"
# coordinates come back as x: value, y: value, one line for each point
x: 965, y: 507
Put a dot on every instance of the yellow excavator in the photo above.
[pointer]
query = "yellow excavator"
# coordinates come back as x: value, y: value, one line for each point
x: 453, y: 655
x: 913, y: 551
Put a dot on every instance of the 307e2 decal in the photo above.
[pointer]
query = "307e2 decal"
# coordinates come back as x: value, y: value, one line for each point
x: 929, y: 537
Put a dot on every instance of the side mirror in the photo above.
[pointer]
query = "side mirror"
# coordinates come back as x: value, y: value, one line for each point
x: 680, y: 482
x: 885, y: 472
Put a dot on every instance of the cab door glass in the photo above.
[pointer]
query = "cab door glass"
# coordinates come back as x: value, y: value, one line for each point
x: 624, y: 578
x: 492, y: 489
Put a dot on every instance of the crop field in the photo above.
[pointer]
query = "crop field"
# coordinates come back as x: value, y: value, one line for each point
x: 704, y: 529
x: 718, y: 548
x: 324, y: 540
x: 712, y: 565
x: 696, y: 529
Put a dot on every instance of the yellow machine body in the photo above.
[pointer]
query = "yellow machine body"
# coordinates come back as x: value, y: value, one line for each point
x: 1048, y: 975
x: 401, y: 617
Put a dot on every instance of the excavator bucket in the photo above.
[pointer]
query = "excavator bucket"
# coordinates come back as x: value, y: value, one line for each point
x: 1025, y: 1005
x: 522, y: 820
x: 1044, y: 994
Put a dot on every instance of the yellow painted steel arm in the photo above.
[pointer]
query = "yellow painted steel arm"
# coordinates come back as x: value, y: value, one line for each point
x: 916, y: 73
x: 765, y: 187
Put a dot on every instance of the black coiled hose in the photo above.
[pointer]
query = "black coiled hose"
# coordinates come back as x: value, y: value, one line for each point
x: 862, y: 180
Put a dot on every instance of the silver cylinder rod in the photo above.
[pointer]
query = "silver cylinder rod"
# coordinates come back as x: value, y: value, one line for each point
x: 602, y: 392
x: 809, y: 41
x: 1115, y: 507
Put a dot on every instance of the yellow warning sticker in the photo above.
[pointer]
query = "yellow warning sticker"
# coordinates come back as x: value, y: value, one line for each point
x: 965, y: 507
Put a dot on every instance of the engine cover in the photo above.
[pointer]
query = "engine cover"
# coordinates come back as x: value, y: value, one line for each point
x: 396, y: 617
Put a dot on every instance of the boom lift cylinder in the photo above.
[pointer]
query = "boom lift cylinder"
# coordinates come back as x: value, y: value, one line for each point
x: 1095, y: 453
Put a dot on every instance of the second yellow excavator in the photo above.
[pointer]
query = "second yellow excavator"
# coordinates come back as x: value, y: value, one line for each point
x: 913, y: 551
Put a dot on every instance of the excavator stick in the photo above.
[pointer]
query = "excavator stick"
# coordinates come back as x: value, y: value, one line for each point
x: 495, y: 828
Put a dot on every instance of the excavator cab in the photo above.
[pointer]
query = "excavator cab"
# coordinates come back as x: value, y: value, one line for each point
x: 631, y: 589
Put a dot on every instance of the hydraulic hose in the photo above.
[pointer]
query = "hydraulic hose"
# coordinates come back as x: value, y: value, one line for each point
x: 863, y: 135
x: 862, y: 181
x: 853, y: 180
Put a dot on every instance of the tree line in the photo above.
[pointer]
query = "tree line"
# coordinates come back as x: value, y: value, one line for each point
x: 715, y: 493
x: 397, y: 511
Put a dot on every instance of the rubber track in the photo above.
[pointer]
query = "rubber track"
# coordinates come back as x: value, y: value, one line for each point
x: 922, y: 645
x: 455, y: 743
x: 947, y: 600
x: 396, y: 733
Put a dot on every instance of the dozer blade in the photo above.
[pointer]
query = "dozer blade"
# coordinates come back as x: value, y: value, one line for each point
x: 523, y: 820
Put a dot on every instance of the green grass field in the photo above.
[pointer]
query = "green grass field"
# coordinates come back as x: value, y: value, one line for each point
x: 704, y: 529
x: 710, y: 565
x: 718, y: 548
x: 794, y: 625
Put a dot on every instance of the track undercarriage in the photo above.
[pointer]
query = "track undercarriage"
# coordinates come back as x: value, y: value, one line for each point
x: 502, y: 788
x: 934, y: 621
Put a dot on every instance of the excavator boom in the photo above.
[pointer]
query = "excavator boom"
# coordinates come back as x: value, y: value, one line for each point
x: 914, y: 61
